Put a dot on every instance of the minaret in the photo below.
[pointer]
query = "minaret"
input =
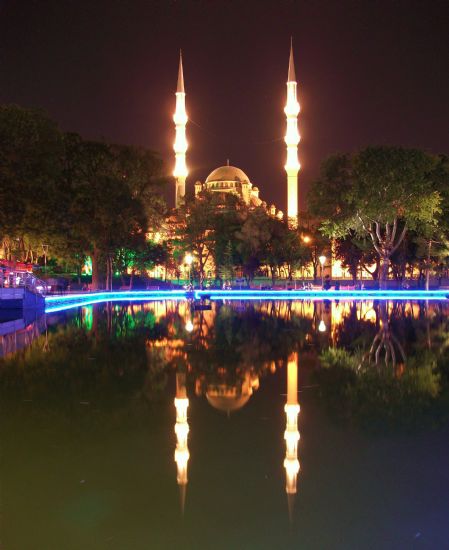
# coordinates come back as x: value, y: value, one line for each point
x: 292, y: 138
x: 291, y: 435
x: 180, y: 146
x: 182, y: 431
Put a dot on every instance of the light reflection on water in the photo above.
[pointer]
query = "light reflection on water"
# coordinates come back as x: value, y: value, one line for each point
x: 359, y: 370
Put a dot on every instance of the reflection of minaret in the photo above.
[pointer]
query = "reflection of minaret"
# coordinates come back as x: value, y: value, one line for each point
x: 292, y: 138
x: 291, y: 463
x: 182, y: 432
x: 180, y: 146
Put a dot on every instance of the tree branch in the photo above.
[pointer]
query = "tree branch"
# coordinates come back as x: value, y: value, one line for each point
x: 393, y: 233
x: 401, y: 238
x: 379, y: 236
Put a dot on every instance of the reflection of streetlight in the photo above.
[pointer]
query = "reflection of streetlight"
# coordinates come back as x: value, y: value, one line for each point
x: 188, y: 260
x: 322, y: 326
x: 322, y: 262
x: 189, y: 326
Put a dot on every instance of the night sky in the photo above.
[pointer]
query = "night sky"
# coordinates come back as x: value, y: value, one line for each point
x: 369, y: 72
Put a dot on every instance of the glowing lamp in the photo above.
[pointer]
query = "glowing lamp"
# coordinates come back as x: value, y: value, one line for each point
x: 322, y: 326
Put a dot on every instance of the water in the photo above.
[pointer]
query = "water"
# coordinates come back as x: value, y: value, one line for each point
x: 89, y: 427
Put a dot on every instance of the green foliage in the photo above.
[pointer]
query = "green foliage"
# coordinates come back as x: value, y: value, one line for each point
x: 79, y: 197
x: 379, y: 193
x: 379, y: 397
x: 338, y: 357
x: 226, y: 265
x: 355, y: 253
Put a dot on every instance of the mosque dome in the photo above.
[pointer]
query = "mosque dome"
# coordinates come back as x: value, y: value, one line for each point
x: 227, y: 173
x: 227, y: 403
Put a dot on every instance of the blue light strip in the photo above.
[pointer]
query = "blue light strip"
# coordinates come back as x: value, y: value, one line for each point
x: 326, y: 294
x: 68, y: 301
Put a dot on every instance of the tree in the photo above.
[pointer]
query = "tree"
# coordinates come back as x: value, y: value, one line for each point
x: 111, y: 196
x: 253, y: 238
x: 226, y: 268
x: 380, y: 192
x: 79, y: 197
x: 195, y: 233
x: 227, y: 222
x: 296, y: 254
x: 30, y: 172
x: 355, y: 253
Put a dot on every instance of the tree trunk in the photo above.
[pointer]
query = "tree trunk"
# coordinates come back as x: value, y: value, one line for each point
x: 111, y: 272
x: 429, y: 248
x: 383, y: 273
x: 96, y: 285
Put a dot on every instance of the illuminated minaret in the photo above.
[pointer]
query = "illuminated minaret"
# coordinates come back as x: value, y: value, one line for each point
x: 291, y: 435
x: 292, y: 138
x: 180, y: 146
x: 182, y: 431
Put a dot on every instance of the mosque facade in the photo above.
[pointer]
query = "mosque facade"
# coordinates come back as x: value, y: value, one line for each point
x: 230, y: 179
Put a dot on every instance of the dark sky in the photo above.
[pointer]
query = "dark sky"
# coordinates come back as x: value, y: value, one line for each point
x: 369, y: 72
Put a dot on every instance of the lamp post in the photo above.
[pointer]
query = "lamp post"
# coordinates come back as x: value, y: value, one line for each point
x: 322, y: 260
x: 189, y: 260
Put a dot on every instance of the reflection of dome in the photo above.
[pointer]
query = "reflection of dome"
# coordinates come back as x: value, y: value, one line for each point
x: 227, y: 173
x: 227, y: 403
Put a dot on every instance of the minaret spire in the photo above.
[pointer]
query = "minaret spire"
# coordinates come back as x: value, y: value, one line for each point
x: 292, y: 138
x: 182, y: 431
x: 291, y: 64
x: 180, y: 87
x: 180, y: 146
x: 291, y: 434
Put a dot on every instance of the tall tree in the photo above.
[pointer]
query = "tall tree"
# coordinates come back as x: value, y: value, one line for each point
x: 380, y: 192
x: 30, y: 172
x: 253, y: 237
x: 195, y: 232
x: 112, y: 198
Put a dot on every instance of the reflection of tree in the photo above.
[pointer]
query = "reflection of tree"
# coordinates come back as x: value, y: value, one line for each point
x: 389, y: 396
x: 385, y: 341
x: 104, y: 366
x: 355, y: 331
x: 243, y: 338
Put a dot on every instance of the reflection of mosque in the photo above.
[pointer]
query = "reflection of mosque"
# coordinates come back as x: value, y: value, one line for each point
x: 228, y: 399
x: 228, y: 389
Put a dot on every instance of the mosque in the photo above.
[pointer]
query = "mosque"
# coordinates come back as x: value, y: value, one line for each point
x: 230, y: 179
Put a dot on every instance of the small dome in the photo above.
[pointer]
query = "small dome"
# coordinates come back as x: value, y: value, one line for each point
x: 227, y: 173
x: 226, y: 403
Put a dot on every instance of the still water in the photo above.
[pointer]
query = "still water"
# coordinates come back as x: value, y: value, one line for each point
x: 236, y: 425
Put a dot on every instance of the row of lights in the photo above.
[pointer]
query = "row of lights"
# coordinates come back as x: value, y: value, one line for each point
x: 188, y: 259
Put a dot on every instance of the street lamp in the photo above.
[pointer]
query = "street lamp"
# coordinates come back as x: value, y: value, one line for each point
x: 322, y: 326
x: 189, y: 260
x: 189, y: 326
x: 322, y: 260
x: 306, y: 239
